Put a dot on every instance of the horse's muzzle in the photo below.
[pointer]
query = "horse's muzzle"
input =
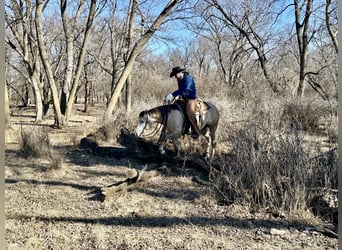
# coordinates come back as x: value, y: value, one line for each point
x: 139, y: 129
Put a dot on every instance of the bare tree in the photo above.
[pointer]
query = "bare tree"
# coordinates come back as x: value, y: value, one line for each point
x: 81, y: 57
x: 69, y: 27
x: 231, y: 50
x: 252, y: 20
x: 88, y: 84
x: 331, y: 21
x: 131, y: 20
x: 47, y: 66
x: 20, y: 23
x: 135, y: 52
x: 111, y: 46
x: 202, y: 55
x: 302, y: 22
x: 73, y: 70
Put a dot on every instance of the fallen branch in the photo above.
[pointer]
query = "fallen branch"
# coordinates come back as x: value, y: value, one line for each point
x: 128, y: 184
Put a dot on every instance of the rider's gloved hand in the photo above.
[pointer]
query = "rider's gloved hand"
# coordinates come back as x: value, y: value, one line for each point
x: 169, y: 98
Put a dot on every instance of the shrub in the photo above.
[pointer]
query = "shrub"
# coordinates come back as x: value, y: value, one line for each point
x: 34, y: 143
x: 273, y: 166
x: 305, y: 115
x: 120, y: 119
x: 264, y: 169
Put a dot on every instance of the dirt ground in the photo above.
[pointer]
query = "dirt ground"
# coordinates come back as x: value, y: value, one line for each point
x: 55, y: 208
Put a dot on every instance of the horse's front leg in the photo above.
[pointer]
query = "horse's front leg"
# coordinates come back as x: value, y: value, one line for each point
x: 212, y: 143
x: 161, y: 142
x: 177, y: 145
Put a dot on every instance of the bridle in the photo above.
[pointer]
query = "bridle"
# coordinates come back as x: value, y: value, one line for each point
x: 154, y: 132
x: 161, y: 125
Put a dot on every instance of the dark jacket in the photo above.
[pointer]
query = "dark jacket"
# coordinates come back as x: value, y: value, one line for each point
x: 186, y: 87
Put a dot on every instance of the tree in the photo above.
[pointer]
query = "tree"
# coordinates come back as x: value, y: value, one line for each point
x: 7, y: 109
x: 22, y: 40
x: 131, y: 20
x: 252, y: 20
x: 64, y: 105
x: 134, y: 53
x: 303, y: 38
x: 230, y: 47
x: 331, y: 21
x: 111, y: 45
x: 82, y: 54
x: 47, y: 66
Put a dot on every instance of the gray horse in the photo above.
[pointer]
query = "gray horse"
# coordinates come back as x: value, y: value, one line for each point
x: 176, y: 124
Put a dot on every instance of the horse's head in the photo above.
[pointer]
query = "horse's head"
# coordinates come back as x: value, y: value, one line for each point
x: 142, y: 122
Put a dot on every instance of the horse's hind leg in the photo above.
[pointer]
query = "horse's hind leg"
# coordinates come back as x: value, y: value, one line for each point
x: 211, y: 143
x: 209, y: 139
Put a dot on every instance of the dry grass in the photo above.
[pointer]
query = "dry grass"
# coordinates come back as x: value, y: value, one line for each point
x: 49, y: 204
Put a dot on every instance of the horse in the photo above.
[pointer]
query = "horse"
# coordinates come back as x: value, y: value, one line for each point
x: 176, y: 124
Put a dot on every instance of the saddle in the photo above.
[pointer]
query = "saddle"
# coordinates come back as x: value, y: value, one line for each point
x: 201, y: 109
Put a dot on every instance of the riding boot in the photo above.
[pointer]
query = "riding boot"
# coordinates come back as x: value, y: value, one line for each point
x: 187, y: 129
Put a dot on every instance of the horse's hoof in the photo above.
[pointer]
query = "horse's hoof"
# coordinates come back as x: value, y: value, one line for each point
x: 179, y: 156
x: 207, y: 158
x: 194, y: 135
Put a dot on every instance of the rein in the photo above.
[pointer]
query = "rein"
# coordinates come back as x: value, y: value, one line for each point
x: 154, y: 132
x: 166, y: 115
x: 160, y: 125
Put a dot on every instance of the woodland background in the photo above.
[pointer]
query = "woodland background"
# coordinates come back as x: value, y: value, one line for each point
x: 116, y: 52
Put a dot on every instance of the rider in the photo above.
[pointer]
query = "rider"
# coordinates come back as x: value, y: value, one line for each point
x: 187, y: 90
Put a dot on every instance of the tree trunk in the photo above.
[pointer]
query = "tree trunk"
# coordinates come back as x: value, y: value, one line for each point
x: 87, y: 90
x: 69, y: 38
x: 133, y: 55
x: 132, y: 16
x: 129, y: 94
x: 80, y: 62
x: 25, y: 95
x: 38, y: 99
x: 302, y: 29
x: 333, y: 34
x: 47, y: 66
x: 46, y: 99
x: 7, y: 109
x: 220, y: 59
